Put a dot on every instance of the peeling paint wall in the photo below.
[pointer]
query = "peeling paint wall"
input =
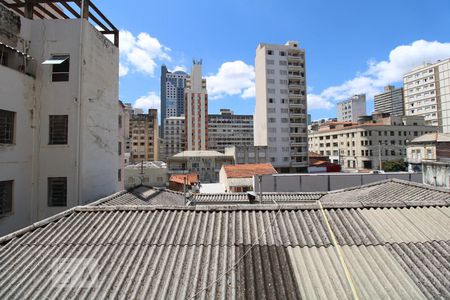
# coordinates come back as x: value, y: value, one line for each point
x: 9, y: 27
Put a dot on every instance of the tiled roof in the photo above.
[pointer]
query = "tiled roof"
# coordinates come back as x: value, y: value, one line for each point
x: 288, y: 251
x: 248, y: 170
x: 191, y: 178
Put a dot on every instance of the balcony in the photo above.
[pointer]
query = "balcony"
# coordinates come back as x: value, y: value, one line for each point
x: 14, y: 59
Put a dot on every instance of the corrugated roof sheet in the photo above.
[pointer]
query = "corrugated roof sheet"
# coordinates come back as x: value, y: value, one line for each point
x: 224, y: 198
x: 237, y: 251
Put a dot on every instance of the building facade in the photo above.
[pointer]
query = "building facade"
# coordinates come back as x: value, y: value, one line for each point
x: 281, y: 106
x: 427, y: 93
x: 248, y: 154
x: 196, y: 109
x: 206, y: 164
x: 364, y: 146
x: 172, y: 95
x: 432, y: 146
x: 149, y: 173
x: 227, y: 129
x: 58, y: 115
x: 174, y: 137
x: 145, y: 136
x: 390, y: 101
x: 351, y: 109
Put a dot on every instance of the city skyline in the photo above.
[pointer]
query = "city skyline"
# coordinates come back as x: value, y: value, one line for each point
x: 363, y: 60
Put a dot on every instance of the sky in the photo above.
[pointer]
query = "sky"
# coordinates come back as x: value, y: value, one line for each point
x: 351, y: 46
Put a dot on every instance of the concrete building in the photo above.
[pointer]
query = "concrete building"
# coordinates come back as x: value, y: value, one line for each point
x: 145, y: 137
x: 227, y: 129
x: 427, y: 93
x: 239, y: 178
x: 390, y: 101
x: 432, y: 146
x: 172, y: 95
x: 206, y: 164
x: 248, y: 154
x: 148, y: 173
x: 128, y: 113
x: 363, y: 145
x: 174, y: 137
x: 351, y: 109
x: 281, y: 106
x: 196, y: 109
x: 58, y: 112
x: 436, y: 173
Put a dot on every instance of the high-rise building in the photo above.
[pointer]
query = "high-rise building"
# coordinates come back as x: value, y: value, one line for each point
x: 174, y: 137
x: 390, y: 101
x: 145, y: 136
x: 172, y: 94
x: 59, y: 112
x: 227, y: 129
x: 280, y: 115
x: 427, y: 93
x: 350, y: 109
x: 196, y: 109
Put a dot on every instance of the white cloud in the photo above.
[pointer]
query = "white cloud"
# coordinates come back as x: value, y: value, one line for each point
x: 378, y: 74
x: 123, y: 70
x: 141, y: 53
x: 179, y: 68
x: 151, y: 100
x: 232, y: 78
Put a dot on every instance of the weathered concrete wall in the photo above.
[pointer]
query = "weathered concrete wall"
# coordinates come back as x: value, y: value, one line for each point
x: 436, y: 174
x: 324, y: 182
x: 152, y: 177
x: 16, y: 94
x: 9, y: 27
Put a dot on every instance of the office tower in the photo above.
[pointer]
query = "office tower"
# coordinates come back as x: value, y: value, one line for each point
x: 174, y: 137
x: 350, y: 109
x: 227, y: 129
x: 427, y: 93
x: 172, y: 95
x: 145, y: 136
x: 390, y: 101
x: 280, y: 115
x: 196, y: 109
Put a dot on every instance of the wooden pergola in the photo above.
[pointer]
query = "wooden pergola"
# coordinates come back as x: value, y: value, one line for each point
x: 63, y: 9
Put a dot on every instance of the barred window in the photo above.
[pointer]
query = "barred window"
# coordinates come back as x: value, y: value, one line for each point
x: 58, y: 130
x: 7, y: 126
x: 6, y: 188
x: 57, y: 191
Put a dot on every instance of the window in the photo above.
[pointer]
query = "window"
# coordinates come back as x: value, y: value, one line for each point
x: 7, y: 126
x: 58, y: 130
x: 57, y: 191
x: 61, y: 65
x: 119, y: 175
x: 6, y: 188
x: 270, y: 100
x: 119, y: 150
x: 120, y: 121
x: 269, y: 52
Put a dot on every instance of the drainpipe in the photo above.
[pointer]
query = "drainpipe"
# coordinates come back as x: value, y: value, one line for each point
x: 80, y: 70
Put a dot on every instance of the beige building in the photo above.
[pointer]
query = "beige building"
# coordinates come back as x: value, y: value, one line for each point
x: 280, y: 114
x: 248, y: 154
x: 427, y: 93
x: 363, y: 145
x: 145, y: 137
x: 432, y: 146
x: 351, y: 109
x: 205, y: 163
x: 196, y: 109
x: 58, y: 112
x: 174, y: 137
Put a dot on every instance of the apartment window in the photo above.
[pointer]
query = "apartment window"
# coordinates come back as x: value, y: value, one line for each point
x: 57, y: 191
x: 269, y: 52
x: 6, y: 188
x: 58, y: 130
x: 61, y: 66
x: 119, y: 175
x: 282, y: 53
x: 120, y: 121
x: 270, y: 61
x: 283, y: 63
x: 7, y: 126
x: 271, y: 91
x: 270, y: 71
x: 119, y: 150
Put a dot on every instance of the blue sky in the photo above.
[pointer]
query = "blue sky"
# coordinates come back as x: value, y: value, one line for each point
x: 351, y: 46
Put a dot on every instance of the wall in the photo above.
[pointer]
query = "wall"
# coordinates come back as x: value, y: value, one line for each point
x: 325, y: 182
x: 436, y: 173
x: 16, y: 90
x: 151, y: 177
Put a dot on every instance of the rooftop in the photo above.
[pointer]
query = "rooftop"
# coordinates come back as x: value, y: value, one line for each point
x: 322, y: 249
x: 191, y: 178
x: 64, y: 9
x: 432, y: 137
x: 248, y: 170
x: 200, y: 153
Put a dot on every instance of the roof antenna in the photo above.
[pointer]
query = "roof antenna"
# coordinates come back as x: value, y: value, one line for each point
x: 259, y: 185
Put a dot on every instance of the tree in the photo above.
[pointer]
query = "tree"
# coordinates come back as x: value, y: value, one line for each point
x: 396, y: 165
